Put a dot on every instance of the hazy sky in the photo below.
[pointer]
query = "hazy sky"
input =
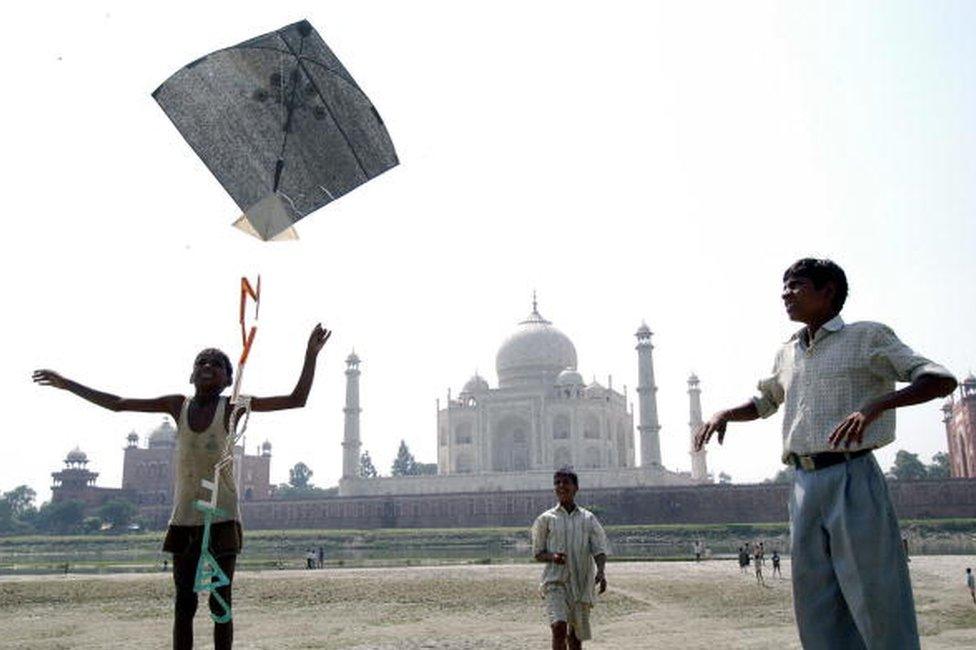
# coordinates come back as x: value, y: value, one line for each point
x: 665, y: 163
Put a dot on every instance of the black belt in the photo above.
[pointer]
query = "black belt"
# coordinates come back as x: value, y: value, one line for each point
x: 813, y: 462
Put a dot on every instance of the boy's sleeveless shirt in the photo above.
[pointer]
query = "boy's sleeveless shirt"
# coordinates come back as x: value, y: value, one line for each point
x: 196, y: 455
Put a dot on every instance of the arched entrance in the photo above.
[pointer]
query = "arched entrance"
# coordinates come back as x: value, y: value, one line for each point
x: 510, y: 444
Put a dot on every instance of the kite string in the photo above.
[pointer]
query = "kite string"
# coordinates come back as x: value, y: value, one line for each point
x: 209, y: 575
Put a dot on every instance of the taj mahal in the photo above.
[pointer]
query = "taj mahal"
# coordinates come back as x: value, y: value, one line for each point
x: 541, y: 416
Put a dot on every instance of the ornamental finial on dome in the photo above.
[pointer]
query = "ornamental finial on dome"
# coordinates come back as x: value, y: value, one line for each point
x: 535, y: 316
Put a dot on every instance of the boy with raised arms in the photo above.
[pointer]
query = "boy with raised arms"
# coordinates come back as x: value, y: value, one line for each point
x: 202, y: 431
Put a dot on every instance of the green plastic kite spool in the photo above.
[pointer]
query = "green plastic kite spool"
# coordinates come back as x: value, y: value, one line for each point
x: 210, y: 576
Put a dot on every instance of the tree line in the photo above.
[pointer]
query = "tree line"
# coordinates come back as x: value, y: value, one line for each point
x: 20, y: 515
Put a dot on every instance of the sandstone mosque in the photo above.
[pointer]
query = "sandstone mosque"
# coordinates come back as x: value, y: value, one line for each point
x: 542, y: 415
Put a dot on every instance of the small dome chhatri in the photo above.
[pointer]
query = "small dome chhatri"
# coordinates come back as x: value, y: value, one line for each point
x: 477, y: 384
x: 569, y: 377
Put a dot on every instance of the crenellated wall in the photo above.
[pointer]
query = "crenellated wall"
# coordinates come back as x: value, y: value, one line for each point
x: 765, y: 502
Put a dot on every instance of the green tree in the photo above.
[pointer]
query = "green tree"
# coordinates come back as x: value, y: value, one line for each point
x: 91, y: 524
x: 907, y: 466
x: 940, y: 467
x: 724, y: 478
x: 404, y: 464
x: 7, y: 523
x: 21, y: 501
x: 366, y: 468
x: 61, y: 517
x: 300, y: 476
x: 118, y: 512
x: 426, y: 469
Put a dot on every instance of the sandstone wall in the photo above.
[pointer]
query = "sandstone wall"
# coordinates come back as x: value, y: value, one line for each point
x: 649, y: 505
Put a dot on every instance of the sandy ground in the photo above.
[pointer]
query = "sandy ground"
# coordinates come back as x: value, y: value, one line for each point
x: 649, y: 605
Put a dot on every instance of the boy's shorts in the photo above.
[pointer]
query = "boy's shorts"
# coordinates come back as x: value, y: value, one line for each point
x: 226, y: 538
x: 576, y: 615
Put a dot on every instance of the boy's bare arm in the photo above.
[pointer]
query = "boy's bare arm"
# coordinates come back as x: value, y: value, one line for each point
x: 299, y: 395
x: 601, y: 576
x: 742, y: 413
x: 170, y: 404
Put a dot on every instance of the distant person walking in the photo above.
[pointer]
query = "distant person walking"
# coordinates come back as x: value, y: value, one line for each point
x: 321, y: 557
x: 697, y: 548
x: 971, y: 584
x: 776, y: 570
x: 836, y: 382
x: 759, y: 567
x: 309, y: 559
x: 570, y: 540
x: 743, y: 559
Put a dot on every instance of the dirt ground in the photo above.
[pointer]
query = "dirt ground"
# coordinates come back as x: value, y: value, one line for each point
x: 649, y: 605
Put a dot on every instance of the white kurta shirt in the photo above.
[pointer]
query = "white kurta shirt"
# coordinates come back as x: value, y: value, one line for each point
x: 579, y: 536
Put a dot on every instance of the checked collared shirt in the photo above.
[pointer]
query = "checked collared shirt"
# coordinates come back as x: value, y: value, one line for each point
x: 822, y: 382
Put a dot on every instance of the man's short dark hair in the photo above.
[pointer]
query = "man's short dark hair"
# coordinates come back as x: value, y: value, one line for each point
x: 566, y: 472
x: 820, y: 272
x: 222, y: 357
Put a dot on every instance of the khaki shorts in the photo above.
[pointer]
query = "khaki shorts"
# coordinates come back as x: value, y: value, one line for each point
x: 576, y: 615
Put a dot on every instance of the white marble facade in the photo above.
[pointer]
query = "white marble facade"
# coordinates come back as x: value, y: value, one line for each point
x: 542, y: 415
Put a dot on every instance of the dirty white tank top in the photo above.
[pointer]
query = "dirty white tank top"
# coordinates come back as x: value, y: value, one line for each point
x: 196, y: 455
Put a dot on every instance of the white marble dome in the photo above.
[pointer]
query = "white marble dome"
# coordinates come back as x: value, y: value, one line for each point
x: 76, y: 455
x: 535, y: 353
x: 477, y: 384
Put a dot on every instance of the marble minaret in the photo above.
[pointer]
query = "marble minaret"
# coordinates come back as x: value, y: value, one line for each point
x: 350, y: 436
x: 650, y: 442
x: 699, y: 469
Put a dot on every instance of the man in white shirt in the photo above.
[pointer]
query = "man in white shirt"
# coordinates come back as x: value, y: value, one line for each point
x: 836, y: 382
x: 570, y: 540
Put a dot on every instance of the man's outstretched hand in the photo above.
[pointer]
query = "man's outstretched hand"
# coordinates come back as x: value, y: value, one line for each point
x: 49, y: 378
x: 851, y: 430
x: 717, y: 423
x: 317, y: 339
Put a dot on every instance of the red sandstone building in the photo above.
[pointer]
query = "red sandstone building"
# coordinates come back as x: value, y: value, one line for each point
x: 148, y: 473
x: 77, y: 483
x: 960, y: 421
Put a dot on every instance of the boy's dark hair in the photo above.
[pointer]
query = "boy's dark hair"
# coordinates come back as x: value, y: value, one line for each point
x: 568, y: 473
x: 820, y: 272
x: 224, y: 360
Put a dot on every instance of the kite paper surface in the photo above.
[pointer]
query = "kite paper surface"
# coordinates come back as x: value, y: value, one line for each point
x: 281, y: 124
